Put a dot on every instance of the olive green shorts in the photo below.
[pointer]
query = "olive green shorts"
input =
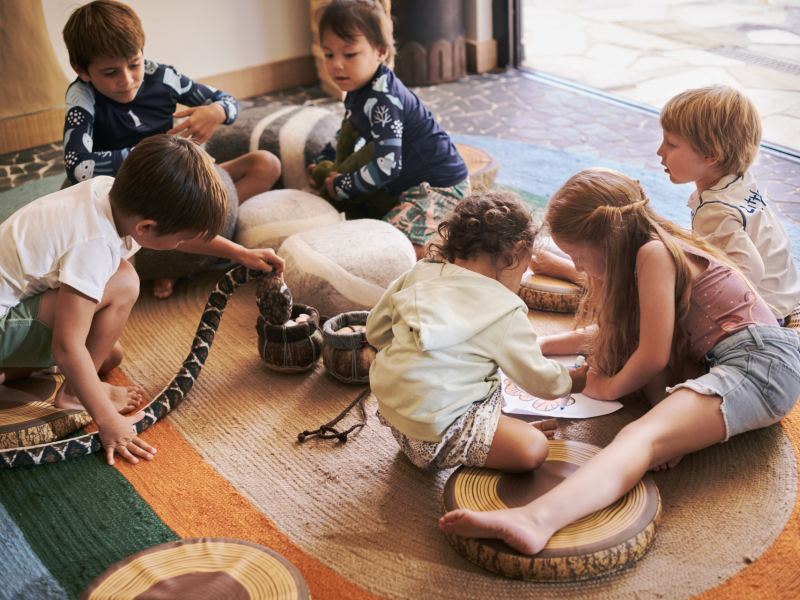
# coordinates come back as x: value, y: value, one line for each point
x: 24, y: 340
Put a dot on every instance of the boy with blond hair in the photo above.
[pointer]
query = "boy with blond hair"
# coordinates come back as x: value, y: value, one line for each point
x: 119, y: 99
x: 711, y: 138
x: 67, y: 288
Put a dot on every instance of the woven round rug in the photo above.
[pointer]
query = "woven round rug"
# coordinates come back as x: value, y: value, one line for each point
x: 365, y: 512
x: 204, y: 568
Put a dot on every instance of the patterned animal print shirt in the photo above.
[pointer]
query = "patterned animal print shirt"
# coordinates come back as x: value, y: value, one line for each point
x: 100, y: 132
x: 410, y: 147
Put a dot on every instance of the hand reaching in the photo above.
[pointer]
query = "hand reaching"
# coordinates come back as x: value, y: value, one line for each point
x: 120, y: 437
x: 329, y: 184
x: 262, y: 259
x: 201, y: 123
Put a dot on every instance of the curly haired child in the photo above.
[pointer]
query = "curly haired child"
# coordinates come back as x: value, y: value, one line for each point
x: 665, y: 308
x: 444, y: 328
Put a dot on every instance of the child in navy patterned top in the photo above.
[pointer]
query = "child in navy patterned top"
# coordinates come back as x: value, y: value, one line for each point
x: 414, y: 157
x: 119, y: 99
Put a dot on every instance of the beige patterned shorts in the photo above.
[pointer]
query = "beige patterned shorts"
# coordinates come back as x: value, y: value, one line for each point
x: 466, y: 442
x: 423, y: 207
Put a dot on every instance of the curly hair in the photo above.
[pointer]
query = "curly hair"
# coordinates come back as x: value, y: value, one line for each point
x: 487, y: 222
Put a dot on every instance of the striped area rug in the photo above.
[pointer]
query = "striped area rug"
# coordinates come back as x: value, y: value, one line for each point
x: 357, y: 519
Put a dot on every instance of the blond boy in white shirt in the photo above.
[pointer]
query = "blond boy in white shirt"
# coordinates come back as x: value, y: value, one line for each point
x: 711, y: 138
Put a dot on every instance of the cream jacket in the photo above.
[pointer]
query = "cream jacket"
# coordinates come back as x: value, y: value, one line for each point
x: 442, y: 332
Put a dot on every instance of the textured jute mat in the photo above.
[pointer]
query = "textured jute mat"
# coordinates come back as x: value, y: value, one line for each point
x: 365, y: 512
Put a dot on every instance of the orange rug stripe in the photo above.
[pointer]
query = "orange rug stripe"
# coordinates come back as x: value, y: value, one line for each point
x: 192, y: 499
x: 179, y: 477
x: 775, y: 574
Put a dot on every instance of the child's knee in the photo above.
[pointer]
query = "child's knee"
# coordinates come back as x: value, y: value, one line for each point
x: 532, y: 450
x: 267, y: 164
x: 125, y: 283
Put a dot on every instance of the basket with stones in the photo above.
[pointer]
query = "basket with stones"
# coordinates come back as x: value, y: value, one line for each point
x: 288, y: 334
x: 347, y: 354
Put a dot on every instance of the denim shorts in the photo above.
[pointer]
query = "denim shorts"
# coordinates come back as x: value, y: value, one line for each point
x: 756, y: 372
x: 24, y: 340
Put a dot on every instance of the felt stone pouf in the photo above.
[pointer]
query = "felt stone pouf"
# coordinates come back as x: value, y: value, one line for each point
x: 346, y: 266
x: 296, y: 134
x: 173, y: 264
x: 266, y: 220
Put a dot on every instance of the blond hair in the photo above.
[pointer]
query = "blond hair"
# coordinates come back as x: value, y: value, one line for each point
x: 610, y: 212
x: 172, y: 181
x: 102, y: 28
x: 717, y: 121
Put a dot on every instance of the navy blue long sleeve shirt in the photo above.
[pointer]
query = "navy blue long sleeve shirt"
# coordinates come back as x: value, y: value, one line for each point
x: 410, y: 147
x: 100, y: 132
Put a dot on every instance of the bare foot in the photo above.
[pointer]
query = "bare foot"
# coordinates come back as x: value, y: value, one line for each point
x: 124, y: 399
x: 670, y: 464
x: 547, y: 427
x: 162, y: 288
x: 513, y: 526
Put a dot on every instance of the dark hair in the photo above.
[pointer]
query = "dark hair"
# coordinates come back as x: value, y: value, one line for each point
x: 350, y: 18
x: 172, y: 181
x: 102, y: 27
x: 487, y: 222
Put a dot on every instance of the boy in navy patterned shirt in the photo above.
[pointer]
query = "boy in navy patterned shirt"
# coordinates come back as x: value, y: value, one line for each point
x: 414, y: 157
x: 120, y: 99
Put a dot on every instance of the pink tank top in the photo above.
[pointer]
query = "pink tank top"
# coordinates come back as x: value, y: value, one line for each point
x: 721, y: 304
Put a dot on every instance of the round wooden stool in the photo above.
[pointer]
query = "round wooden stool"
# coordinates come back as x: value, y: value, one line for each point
x: 597, y: 544
x: 28, y: 416
x: 201, y: 568
x: 481, y: 165
x: 547, y: 293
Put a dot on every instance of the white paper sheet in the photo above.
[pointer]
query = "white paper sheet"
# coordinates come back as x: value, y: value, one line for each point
x: 579, y: 406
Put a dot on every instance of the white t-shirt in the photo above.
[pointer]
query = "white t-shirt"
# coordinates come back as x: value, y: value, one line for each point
x: 66, y: 237
x: 734, y: 217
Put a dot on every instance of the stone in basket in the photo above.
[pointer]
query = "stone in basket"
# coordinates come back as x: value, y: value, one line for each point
x: 347, y: 354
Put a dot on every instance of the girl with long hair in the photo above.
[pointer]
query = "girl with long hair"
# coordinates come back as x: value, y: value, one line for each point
x: 663, y: 308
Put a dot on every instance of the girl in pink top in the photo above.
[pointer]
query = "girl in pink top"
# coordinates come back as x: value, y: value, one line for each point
x: 663, y: 308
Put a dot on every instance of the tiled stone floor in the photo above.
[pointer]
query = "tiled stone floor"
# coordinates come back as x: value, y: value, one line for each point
x: 650, y: 50
x: 508, y: 106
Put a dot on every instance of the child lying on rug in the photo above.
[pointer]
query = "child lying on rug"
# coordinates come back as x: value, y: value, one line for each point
x: 711, y: 137
x: 413, y: 158
x: 668, y: 309
x: 67, y: 288
x: 443, y: 329
x: 119, y: 99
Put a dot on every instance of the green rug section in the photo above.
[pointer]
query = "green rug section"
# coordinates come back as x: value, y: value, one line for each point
x: 535, y: 202
x: 15, y: 198
x: 80, y: 517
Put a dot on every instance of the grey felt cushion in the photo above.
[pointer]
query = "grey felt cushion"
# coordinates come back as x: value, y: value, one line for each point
x: 267, y: 219
x: 172, y: 264
x: 295, y: 134
x: 346, y: 266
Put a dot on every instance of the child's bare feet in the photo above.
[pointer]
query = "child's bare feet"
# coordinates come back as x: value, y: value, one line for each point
x: 124, y: 399
x: 162, y: 288
x: 514, y: 526
x: 547, y: 427
x: 670, y: 464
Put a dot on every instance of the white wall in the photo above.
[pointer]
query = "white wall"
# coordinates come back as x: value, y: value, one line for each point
x: 205, y: 37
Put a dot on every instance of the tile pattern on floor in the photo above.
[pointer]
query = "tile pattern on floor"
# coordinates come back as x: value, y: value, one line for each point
x: 650, y: 50
x: 502, y: 105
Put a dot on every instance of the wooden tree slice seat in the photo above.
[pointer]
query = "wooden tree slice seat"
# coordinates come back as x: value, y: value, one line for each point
x: 598, y: 544
x: 201, y: 568
x: 541, y: 292
x: 28, y: 416
x: 481, y: 165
